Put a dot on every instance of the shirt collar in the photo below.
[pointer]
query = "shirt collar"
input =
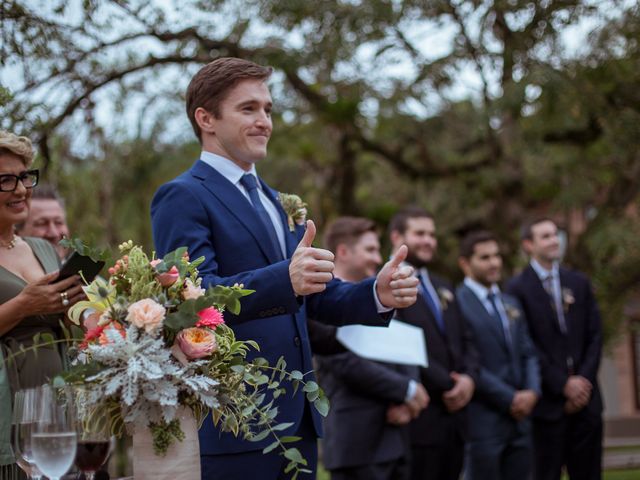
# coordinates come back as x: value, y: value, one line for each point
x: 542, y: 272
x: 226, y: 167
x: 480, y: 290
x: 424, y: 273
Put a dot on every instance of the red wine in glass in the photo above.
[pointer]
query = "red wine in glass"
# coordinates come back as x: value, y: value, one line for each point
x: 91, y: 455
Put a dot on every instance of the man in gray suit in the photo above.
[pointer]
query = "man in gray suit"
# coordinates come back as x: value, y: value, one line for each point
x: 366, y: 431
x: 500, y: 444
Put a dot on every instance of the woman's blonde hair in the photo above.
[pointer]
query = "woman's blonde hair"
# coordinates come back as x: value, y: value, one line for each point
x: 18, y: 146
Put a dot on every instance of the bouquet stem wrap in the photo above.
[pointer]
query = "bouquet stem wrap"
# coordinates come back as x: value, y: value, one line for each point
x: 182, y: 460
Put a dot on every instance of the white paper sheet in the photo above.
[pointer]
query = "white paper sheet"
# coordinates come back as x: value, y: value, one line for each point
x: 398, y: 343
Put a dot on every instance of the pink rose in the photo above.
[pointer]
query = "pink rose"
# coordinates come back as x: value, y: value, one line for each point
x: 146, y: 314
x: 191, y: 291
x: 196, y: 342
x: 210, y: 317
x: 169, y: 278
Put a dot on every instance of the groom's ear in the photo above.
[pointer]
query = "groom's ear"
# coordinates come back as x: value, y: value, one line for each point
x: 205, y: 120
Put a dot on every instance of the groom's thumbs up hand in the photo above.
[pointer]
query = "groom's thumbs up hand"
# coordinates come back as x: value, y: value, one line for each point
x: 311, y: 268
x: 396, y: 286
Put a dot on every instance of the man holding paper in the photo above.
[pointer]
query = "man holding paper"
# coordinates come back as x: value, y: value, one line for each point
x: 366, y: 433
x: 438, y: 435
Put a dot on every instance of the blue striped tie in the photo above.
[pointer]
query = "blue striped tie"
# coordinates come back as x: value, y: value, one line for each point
x: 250, y: 183
x: 431, y: 304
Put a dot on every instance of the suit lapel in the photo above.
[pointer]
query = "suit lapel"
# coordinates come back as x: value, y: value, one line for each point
x: 291, y: 240
x: 237, y: 204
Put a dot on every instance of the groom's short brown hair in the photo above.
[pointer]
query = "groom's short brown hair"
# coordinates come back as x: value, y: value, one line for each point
x: 209, y: 87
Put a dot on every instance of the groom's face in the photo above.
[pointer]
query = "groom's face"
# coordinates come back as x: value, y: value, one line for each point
x: 242, y: 131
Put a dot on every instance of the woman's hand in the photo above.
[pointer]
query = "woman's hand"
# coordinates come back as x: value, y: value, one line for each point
x: 43, y: 297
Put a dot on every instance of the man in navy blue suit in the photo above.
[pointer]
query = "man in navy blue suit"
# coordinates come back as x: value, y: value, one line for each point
x: 508, y: 387
x: 565, y: 326
x: 222, y: 210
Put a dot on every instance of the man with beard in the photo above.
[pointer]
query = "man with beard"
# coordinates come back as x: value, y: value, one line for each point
x: 438, y: 434
x: 565, y: 326
x: 366, y: 431
x: 499, y: 446
x: 47, y: 218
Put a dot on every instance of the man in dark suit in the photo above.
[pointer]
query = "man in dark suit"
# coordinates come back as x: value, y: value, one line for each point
x: 565, y: 326
x: 508, y: 387
x: 221, y: 210
x: 366, y: 434
x: 439, y: 432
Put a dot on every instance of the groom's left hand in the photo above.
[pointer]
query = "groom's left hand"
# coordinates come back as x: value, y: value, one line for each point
x: 396, y: 286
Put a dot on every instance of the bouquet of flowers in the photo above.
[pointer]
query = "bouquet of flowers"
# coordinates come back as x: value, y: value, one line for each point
x: 155, y: 341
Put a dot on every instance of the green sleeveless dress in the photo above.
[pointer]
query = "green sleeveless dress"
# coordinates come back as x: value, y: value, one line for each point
x: 29, y: 369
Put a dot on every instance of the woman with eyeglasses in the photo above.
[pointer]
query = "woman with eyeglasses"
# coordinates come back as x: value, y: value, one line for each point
x: 32, y: 300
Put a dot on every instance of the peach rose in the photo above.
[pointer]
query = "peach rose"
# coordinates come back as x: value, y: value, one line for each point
x: 168, y: 278
x: 210, y: 317
x: 146, y: 314
x: 191, y: 291
x: 196, y: 342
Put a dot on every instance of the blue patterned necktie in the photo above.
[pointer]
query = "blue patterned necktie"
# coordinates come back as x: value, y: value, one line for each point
x: 504, y: 326
x: 431, y: 304
x: 250, y: 183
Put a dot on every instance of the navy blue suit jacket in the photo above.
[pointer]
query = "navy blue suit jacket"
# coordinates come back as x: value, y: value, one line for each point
x: 452, y: 351
x: 583, y: 343
x: 504, y: 368
x: 205, y: 212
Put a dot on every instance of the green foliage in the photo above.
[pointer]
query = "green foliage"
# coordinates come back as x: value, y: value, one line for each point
x: 164, y: 434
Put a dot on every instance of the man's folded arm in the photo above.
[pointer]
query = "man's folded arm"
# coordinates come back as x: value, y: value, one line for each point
x: 368, y: 378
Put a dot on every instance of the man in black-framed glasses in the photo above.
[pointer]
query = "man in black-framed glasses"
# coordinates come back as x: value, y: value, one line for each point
x: 9, y: 182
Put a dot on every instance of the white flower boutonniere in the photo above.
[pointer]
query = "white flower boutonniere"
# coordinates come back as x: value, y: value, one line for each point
x: 567, y: 299
x: 445, y: 296
x: 295, y: 209
x: 512, y: 312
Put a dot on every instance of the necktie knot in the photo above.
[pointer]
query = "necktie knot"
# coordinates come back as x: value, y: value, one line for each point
x: 249, y: 182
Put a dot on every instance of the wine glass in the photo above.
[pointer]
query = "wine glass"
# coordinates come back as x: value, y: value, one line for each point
x: 94, y: 435
x: 53, y: 438
x: 23, y: 418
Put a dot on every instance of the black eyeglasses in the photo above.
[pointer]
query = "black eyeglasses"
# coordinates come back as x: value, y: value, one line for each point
x: 9, y: 182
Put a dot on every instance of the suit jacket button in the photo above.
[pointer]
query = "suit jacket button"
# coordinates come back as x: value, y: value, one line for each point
x: 296, y: 341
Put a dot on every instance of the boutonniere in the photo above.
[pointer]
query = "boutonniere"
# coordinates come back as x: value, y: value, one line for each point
x: 295, y: 209
x: 512, y: 312
x: 445, y: 296
x: 567, y: 299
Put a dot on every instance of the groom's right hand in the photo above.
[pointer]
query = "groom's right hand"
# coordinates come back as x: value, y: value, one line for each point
x: 311, y: 268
